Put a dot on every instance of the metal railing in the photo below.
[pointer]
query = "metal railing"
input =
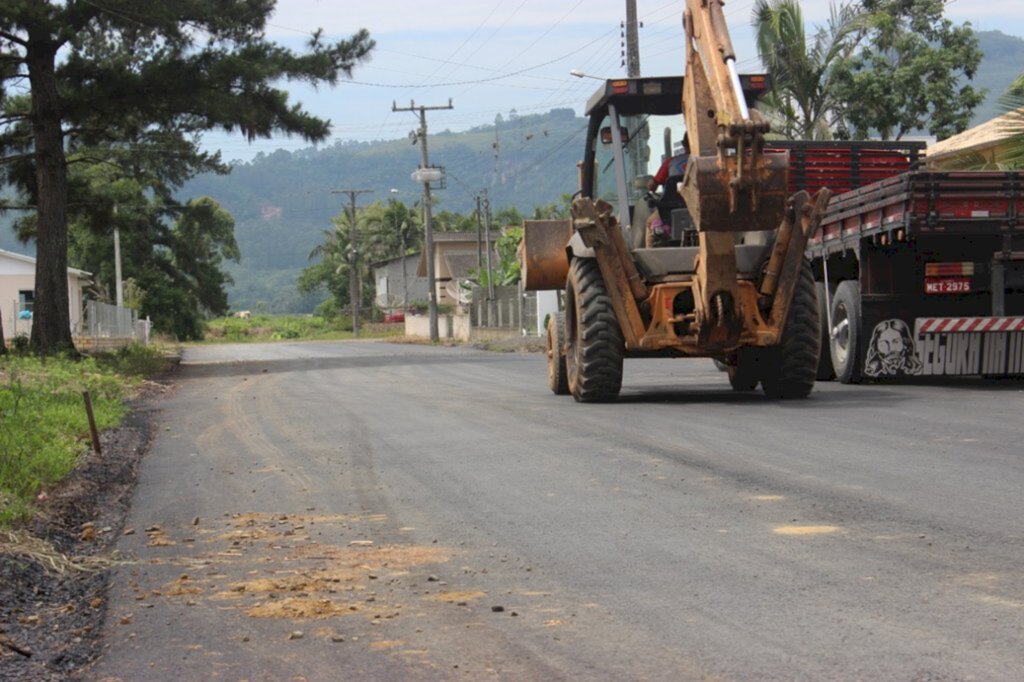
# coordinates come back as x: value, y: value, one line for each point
x: 510, y: 308
x: 105, y: 321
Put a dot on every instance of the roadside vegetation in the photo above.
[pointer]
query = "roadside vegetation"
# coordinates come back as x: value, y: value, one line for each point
x: 286, y: 327
x: 43, y: 425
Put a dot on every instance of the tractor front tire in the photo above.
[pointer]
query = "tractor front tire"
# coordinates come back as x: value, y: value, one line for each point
x: 594, y: 343
x: 558, y: 379
x: 791, y: 366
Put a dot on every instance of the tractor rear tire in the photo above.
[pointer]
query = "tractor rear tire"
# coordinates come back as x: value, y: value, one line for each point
x: 826, y: 372
x: 594, y: 343
x: 845, y: 335
x: 558, y: 379
x: 791, y: 366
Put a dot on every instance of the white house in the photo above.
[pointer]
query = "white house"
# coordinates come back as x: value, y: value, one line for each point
x: 17, y: 293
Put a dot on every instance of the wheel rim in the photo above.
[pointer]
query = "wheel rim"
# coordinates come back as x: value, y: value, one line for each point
x: 841, y: 334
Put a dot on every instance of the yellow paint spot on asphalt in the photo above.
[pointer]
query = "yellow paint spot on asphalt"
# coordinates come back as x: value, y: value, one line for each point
x: 769, y: 498
x: 386, y: 644
x: 805, y: 530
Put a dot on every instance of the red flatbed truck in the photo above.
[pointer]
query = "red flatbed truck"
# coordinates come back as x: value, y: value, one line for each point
x: 919, y: 274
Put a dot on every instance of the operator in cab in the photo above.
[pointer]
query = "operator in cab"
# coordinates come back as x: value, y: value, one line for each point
x: 669, y: 175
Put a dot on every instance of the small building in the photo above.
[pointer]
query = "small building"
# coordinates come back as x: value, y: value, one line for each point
x: 17, y: 293
x: 456, y: 257
x: 397, y: 284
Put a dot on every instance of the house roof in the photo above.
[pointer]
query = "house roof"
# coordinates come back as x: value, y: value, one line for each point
x: 979, y: 138
x: 82, y: 274
x: 396, y: 259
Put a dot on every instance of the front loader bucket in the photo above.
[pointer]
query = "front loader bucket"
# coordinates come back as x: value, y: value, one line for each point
x: 542, y: 257
x: 723, y: 199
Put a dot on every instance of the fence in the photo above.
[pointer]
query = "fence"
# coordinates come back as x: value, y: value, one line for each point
x: 108, y: 325
x: 509, y: 309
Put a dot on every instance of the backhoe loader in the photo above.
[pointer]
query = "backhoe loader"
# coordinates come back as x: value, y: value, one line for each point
x: 729, y: 282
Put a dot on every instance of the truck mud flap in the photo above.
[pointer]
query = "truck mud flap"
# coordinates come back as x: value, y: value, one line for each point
x: 899, y: 345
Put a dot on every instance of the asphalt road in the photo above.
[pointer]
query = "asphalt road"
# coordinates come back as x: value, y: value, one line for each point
x: 375, y: 511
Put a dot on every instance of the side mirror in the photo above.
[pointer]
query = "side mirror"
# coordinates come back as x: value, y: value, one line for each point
x: 606, y: 134
x: 642, y: 181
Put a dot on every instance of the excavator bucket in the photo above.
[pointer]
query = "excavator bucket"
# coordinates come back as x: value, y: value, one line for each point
x: 722, y: 196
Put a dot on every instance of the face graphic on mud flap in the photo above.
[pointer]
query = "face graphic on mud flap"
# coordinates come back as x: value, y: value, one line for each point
x: 891, y: 350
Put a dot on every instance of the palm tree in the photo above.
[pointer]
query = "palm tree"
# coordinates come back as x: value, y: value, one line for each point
x: 389, y: 230
x: 801, y: 69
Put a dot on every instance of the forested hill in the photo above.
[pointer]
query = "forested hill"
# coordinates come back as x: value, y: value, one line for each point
x: 282, y: 202
x: 1002, y: 64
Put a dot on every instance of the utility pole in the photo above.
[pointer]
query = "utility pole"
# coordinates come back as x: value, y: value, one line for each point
x: 353, y: 280
x: 639, y: 150
x: 428, y: 226
x: 487, y: 241
x: 479, y: 239
x: 632, y: 50
x: 118, y: 285
x: 405, y: 278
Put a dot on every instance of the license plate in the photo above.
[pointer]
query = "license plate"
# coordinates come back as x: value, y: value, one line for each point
x: 947, y: 285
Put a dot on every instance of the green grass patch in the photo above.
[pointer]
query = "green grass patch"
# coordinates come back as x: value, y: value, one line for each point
x: 291, y: 327
x: 43, y: 425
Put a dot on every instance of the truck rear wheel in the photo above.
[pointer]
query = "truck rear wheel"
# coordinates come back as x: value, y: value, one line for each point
x: 594, y: 345
x: 791, y: 366
x: 845, y: 333
x: 558, y: 379
x: 826, y: 372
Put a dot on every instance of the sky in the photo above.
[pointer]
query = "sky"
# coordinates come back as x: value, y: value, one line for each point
x: 492, y: 56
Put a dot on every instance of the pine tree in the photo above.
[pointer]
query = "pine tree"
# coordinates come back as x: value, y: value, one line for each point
x: 101, y: 73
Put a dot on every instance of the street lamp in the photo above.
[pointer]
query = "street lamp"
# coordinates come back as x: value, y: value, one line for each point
x: 580, y: 74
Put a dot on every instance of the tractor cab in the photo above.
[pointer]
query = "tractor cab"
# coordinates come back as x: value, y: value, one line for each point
x: 618, y: 165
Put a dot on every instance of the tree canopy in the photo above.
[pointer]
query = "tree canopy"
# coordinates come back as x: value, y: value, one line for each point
x: 912, y: 71
x: 79, y: 75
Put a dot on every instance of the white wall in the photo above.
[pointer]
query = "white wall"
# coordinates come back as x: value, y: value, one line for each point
x: 18, y: 275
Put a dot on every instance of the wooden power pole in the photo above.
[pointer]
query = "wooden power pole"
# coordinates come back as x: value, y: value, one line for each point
x: 428, y: 227
x: 353, y: 281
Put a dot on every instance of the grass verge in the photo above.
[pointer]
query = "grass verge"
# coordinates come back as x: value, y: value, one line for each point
x: 291, y: 327
x: 43, y: 424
